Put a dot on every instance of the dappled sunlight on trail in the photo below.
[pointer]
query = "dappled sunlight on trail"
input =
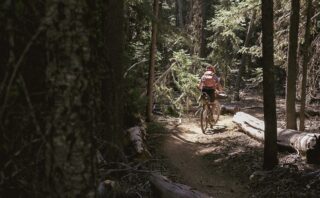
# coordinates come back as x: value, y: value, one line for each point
x: 210, y: 162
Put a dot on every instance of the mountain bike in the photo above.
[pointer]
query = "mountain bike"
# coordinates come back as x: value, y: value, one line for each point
x: 210, y: 112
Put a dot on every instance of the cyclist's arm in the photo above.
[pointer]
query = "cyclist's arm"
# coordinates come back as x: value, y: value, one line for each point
x: 200, y: 85
x: 219, y: 86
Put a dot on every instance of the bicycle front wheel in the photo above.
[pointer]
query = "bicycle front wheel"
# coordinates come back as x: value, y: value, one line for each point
x: 204, y: 119
x: 215, y: 112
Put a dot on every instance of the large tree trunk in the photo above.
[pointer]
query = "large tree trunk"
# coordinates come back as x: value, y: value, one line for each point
x: 244, y: 56
x: 153, y: 51
x: 294, y: 140
x: 305, y: 65
x: 292, y: 66
x: 269, y: 103
x: 164, y: 188
x: 68, y: 159
x: 11, y: 59
x: 112, y: 82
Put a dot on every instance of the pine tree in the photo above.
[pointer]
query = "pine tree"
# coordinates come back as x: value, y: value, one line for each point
x: 292, y: 66
x: 270, y: 145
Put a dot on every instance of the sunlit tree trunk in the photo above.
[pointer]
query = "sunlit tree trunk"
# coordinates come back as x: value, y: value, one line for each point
x: 203, y: 40
x: 270, y: 118
x: 292, y: 66
x: 179, y: 13
x: 305, y: 65
x: 244, y: 57
x: 197, y: 27
x: 153, y: 51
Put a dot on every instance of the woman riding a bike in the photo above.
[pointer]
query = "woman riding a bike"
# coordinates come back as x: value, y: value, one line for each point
x: 209, y: 83
x: 210, y: 107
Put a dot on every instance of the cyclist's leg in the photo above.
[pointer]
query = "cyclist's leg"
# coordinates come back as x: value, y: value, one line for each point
x: 215, y: 108
x: 206, y: 91
x: 211, y: 93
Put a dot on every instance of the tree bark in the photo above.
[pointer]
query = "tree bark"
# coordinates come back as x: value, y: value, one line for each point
x: 270, y: 137
x: 10, y: 63
x: 153, y: 51
x: 292, y: 66
x: 68, y: 158
x: 244, y: 57
x: 113, y: 71
x: 305, y: 65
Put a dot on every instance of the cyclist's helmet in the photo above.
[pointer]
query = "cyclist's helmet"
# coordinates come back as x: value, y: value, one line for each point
x: 211, y: 68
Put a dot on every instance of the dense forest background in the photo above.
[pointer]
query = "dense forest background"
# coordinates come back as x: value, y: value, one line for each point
x: 74, y: 75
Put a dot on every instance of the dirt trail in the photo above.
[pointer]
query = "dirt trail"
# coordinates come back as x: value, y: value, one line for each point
x: 206, y: 162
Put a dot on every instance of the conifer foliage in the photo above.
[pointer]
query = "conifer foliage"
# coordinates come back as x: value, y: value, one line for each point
x: 74, y: 76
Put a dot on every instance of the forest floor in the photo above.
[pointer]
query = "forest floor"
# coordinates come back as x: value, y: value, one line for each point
x: 210, y: 163
x: 228, y: 163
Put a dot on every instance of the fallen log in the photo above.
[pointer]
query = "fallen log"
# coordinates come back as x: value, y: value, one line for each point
x: 250, y: 125
x: 305, y: 143
x: 108, y: 188
x: 309, y: 111
x: 136, y: 138
x: 162, y: 187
